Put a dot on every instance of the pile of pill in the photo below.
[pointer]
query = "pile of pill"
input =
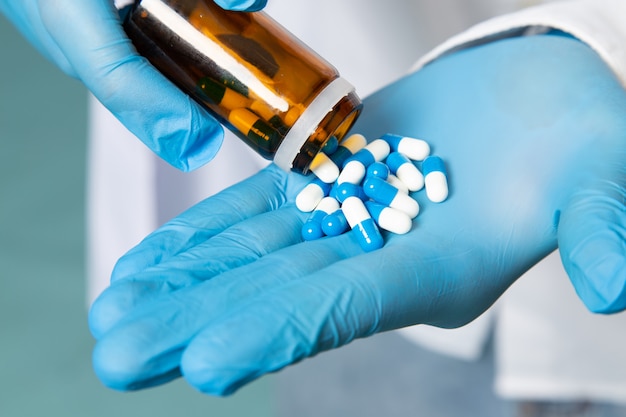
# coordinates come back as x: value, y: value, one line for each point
x: 362, y: 187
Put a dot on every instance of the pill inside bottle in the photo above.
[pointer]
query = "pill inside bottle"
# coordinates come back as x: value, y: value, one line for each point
x: 250, y: 73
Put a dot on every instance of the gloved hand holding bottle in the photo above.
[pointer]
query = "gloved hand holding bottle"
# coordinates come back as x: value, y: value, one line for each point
x: 86, y: 40
x: 532, y: 130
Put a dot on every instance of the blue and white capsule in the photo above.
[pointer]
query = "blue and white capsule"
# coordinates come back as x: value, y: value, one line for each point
x: 347, y: 189
x: 405, y: 170
x: 379, y: 170
x: 312, y: 227
x: 435, y: 179
x: 348, y: 147
x: 375, y: 151
x: 324, y: 168
x: 396, y: 182
x: 352, y: 172
x: 335, y: 223
x: 389, y: 218
x: 383, y: 192
x: 363, y: 226
x: 311, y: 195
x: 331, y: 145
x: 413, y: 148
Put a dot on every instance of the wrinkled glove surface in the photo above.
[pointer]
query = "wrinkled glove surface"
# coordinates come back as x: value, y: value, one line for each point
x: 533, y: 134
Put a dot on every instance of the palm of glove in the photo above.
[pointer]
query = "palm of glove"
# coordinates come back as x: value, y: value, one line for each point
x: 532, y: 132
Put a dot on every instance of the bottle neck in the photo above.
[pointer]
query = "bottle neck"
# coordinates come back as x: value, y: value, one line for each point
x: 331, y: 113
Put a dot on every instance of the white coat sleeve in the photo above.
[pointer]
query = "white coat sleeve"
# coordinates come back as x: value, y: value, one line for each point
x: 598, y: 23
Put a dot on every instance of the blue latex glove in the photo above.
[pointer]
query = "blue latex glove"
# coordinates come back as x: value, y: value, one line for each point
x: 85, y: 39
x: 532, y: 130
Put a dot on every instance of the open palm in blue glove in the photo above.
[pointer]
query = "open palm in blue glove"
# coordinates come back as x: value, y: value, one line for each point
x: 86, y: 40
x: 534, y: 134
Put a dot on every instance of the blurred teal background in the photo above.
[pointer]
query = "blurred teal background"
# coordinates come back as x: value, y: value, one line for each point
x: 45, y: 346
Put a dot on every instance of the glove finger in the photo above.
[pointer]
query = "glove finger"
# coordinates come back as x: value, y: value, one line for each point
x: 266, y: 191
x: 26, y: 17
x: 592, y: 242
x: 179, y: 131
x: 242, y: 5
x: 148, y: 342
x: 239, y: 245
x: 348, y: 300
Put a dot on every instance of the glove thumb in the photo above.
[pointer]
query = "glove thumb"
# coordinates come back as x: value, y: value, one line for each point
x: 592, y: 242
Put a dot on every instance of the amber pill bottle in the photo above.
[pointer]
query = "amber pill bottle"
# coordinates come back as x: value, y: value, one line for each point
x: 250, y: 73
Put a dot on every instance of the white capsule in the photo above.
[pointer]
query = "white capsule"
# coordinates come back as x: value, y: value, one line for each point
x: 362, y: 224
x: 328, y: 205
x: 379, y: 148
x: 397, y: 182
x: 388, y: 218
x: 405, y: 170
x: 412, y: 148
x: 324, y: 168
x: 375, y: 151
x: 354, y: 142
x: 353, y: 172
x: 435, y: 179
x: 382, y: 192
x: 348, y: 147
x: 310, y: 196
